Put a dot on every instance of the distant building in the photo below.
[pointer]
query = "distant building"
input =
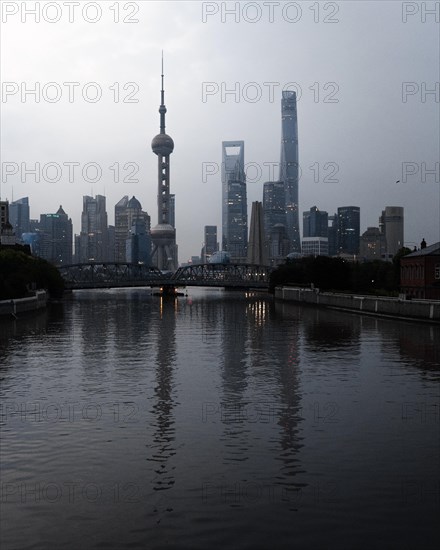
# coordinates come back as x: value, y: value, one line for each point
x: 279, y: 244
x: 56, y: 237
x: 333, y: 235
x: 314, y: 246
x: 391, y: 225
x: 315, y: 223
x: 7, y: 235
x: 274, y: 206
x: 4, y: 213
x: 19, y: 217
x: 372, y: 245
x: 257, y: 248
x: 420, y: 273
x: 126, y: 212
x: 138, y: 244
x: 234, y: 201
x: 210, y: 244
x: 348, y: 227
x: 93, y: 241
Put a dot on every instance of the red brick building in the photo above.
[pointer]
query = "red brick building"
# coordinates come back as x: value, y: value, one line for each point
x: 420, y: 273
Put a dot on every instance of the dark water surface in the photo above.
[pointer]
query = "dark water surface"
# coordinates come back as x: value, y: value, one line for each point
x: 219, y: 420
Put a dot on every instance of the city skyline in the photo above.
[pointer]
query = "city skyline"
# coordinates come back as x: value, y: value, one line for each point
x: 360, y: 132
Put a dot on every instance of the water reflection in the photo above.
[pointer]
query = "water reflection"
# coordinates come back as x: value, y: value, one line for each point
x: 161, y: 447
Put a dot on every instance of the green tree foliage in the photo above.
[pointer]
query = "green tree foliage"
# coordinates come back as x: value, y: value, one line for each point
x: 19, y: 272
x: 326, y: 273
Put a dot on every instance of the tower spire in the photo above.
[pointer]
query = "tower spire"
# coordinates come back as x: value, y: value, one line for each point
x: 162, y: 108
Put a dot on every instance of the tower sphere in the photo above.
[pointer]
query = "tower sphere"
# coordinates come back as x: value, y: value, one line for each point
x: 162, y: 144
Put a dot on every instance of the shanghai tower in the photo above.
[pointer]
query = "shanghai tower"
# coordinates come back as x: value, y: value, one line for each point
x: 164, y: 254
x: 289, y: 166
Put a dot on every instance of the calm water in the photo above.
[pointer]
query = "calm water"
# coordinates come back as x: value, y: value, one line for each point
x: 219, y: 420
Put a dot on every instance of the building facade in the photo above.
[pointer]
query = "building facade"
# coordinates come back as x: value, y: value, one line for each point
x: 314, y: 246
x: 420, y: 273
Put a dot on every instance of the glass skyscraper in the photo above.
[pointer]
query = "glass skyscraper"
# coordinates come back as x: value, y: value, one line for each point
x: 348, y: 224
x: 289, y: 169
x: 234, y: 201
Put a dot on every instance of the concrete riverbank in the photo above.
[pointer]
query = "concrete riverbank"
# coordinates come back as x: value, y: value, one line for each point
x: 21, y: 305
x: 425, y: 310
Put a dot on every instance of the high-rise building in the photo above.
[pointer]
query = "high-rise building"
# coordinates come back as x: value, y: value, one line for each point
x: 391, y: 225
x: 257, y: 247
x: 4, y: 213
x: 163, y: 235
x: 234, y: 201
x: 7, y: 235
x: 289, y: 168
x: 93, y: 240
x: 19, y: 217
x: 210, y: 244
x: 56, y: 237
x: 126, y: 213
x: 348, y: 223
x: 138, y: 244
x: 333, y: 235
x: 279, y: 244
x: 315, y: 223
x: 274, y: 206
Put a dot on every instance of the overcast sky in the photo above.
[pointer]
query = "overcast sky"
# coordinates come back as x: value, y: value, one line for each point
x: 363, y: 72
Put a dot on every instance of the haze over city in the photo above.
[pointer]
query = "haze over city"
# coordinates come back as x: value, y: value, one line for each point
x: 366, y: 77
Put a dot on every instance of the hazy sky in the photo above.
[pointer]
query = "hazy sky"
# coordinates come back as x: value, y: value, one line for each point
x: 366, y: 73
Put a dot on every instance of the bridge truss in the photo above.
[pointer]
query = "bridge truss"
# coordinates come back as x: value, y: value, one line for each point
x: 109, y: 275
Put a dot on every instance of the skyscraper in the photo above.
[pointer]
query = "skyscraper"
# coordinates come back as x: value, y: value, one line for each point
x: 19, y: 217
x: 138, y: 244
x: 234, y: 201
x: 274, y: 206
x: 93, y: 240
x: 210, y: 244
x: 315, y: 223
x: 348, y: 224
x: 289, y: 168
x: 56, y: 237
x: 163, y: 235
x: 126, y: 213
x: 391, y: 225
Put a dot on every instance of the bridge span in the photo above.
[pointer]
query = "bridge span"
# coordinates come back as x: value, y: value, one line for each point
x: 113, y: 275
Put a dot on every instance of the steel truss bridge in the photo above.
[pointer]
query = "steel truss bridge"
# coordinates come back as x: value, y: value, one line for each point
x: 112, y: 275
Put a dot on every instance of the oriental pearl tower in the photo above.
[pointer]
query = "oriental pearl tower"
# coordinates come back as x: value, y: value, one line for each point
x: 164, y: 254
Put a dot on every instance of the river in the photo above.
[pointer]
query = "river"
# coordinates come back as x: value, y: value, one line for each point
x: 217, y: 420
